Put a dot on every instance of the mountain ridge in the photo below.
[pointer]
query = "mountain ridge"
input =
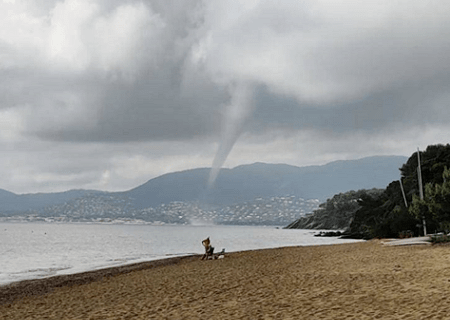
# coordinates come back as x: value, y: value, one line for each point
x: 239, y: 184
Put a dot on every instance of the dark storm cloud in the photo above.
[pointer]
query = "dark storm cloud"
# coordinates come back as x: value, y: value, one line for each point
x: 151, y: 109
x: 171, y: 80
x: 413, y: 104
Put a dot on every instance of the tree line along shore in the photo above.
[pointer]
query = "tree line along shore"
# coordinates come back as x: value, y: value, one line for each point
x: 391, y: 212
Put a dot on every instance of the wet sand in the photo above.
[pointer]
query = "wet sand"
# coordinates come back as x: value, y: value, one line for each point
x: 350, y: 281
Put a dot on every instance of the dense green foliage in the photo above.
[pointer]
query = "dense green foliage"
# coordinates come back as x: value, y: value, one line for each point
x: 387, y: 216
x: 436, y: 203
x: 335, y: 213
x: 383, y: 216
x: 440, y: 238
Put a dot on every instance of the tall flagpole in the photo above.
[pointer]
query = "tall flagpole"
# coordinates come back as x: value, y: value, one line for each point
x: 419, y: 174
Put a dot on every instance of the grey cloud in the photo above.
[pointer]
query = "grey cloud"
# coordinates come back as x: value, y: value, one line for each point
x: 385, y: 74
x: 165, y: 100
x: 159, y: 74
x: 151, y: 109
x: 413, y: 104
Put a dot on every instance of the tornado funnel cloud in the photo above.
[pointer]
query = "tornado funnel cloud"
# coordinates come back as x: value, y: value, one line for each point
x: 234, y: 119
x: 221, y: 155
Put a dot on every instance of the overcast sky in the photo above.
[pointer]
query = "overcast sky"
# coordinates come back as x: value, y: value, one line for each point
x: 107, y: 94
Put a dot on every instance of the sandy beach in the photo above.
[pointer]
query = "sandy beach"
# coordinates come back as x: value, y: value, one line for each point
x: 350, y: 281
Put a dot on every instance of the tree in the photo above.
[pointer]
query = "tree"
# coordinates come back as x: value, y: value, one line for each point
x: 436, y: 203
x: 387, y: 216
x: 433, y: 161
x: 384, y: 215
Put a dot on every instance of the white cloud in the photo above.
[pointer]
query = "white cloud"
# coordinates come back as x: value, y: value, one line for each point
x: 79, y: 35
x: 69, y: 23
x: 22, y: 35
x: 119, y: 38
x: 11, y: 125
x: 118, y: 42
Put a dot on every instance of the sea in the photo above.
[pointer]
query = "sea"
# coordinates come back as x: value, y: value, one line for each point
x: 40, y: 250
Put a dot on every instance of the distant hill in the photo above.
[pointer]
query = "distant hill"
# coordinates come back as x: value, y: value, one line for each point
x: 11, y: 202
x: 247, y: 182
x: 238, y: 185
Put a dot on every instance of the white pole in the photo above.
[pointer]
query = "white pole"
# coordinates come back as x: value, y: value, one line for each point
x: 403, y: 193
x: 419, y: 175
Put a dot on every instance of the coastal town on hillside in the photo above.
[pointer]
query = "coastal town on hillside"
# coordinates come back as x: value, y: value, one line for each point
x: 100, y: 208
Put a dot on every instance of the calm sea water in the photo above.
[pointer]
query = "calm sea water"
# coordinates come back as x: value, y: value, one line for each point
x: 35, y: 250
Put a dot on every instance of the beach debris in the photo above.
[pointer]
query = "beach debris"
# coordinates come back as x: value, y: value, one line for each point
x: 407, y: 241
x: 397, y: 268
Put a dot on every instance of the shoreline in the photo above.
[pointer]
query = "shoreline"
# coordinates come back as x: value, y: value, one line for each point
x: 32, y: 287
x: 133, y: 245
